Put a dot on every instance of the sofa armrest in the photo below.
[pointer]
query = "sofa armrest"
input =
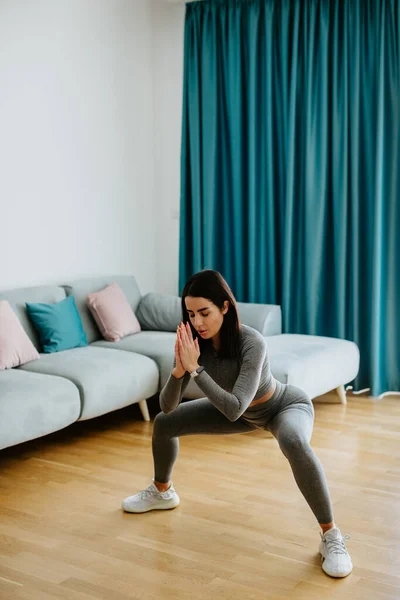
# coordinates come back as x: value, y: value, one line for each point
x: 265, y: 318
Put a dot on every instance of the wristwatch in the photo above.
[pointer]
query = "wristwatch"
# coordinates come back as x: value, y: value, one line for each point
x: 196, y: 372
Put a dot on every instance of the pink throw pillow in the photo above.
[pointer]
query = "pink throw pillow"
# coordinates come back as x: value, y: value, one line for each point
x: 113, y: 313
x: 15, y: 346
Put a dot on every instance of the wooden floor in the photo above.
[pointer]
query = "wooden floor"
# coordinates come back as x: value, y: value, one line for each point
x: 242, y: 531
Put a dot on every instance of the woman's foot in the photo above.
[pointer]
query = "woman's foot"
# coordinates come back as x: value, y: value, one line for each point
x: 336, y: 561
x: 151, y: 499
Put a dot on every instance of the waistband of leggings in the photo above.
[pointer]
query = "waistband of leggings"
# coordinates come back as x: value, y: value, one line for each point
x: 279, y: 389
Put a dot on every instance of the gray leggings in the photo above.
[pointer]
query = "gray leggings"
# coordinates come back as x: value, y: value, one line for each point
x: 288, y: 415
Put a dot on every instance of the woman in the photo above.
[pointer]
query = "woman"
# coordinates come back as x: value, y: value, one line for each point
x: 229, y: 363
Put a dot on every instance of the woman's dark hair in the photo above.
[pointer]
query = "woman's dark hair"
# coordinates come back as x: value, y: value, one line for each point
x: 211, y: 285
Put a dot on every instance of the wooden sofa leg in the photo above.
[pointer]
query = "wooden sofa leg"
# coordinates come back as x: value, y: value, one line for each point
x: 144, y: 410
x: 342, y: 394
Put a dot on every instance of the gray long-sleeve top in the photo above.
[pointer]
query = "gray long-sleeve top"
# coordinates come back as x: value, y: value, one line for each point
x: 230, y: 384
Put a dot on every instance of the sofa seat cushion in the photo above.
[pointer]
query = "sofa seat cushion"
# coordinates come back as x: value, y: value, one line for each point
x: 33, y: 405
x: 315, y: 364
x: 106, y: 379
x: 157, y: 345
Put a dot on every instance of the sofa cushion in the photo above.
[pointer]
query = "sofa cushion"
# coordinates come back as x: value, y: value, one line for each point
x: 159, y: 312
x: 81, y: 288
x: 106, y: 379
x: 33, y: 405
x: 157, y: 345
x: 19, y: 297
x: 59, y: 325
x: 113, y: 314
x: 315, y: 364
x: 15, y: 346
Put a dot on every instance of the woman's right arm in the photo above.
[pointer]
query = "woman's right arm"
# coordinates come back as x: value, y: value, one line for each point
x: 171, y: 394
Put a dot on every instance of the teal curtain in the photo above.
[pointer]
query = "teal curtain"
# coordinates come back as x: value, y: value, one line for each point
x: 290, y: 165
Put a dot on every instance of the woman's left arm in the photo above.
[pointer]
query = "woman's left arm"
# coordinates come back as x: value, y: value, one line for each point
x: 234, y: 404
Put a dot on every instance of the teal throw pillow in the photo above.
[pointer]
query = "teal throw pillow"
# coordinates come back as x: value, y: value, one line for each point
x: 59, y: 325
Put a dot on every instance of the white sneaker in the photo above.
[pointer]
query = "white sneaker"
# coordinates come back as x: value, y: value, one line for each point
x: 336, y: 561
x: 151, y: 499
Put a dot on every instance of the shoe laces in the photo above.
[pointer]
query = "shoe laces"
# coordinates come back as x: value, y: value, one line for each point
x: 150, y: 491
x: 337, y: 545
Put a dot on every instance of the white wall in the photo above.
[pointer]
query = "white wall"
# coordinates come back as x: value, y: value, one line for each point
x: 76, y: 141
x: 168, y: 31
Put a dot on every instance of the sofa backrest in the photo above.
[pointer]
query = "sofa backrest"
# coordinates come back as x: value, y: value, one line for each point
x: 156, y: 312
x: 18, y: 297
x: 161, y: 312
x: 81, y: 288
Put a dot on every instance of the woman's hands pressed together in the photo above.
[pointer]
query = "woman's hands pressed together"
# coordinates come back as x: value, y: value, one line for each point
x: 187, y: 351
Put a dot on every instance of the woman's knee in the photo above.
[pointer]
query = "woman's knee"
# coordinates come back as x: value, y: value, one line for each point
x: 160, y: 423
x: 164, y: 425
x: 293, y: 443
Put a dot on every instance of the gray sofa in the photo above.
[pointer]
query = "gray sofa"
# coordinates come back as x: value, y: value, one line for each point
x: 53, y: 392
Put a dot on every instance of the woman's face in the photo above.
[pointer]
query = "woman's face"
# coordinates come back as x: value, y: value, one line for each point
x: 205, y: 316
